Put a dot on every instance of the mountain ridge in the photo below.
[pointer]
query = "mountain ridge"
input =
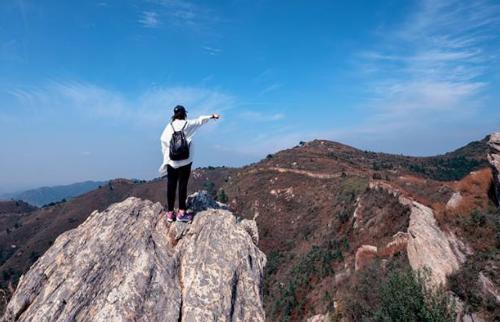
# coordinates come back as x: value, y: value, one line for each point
x: 49, y: 194
x: 314, y: 209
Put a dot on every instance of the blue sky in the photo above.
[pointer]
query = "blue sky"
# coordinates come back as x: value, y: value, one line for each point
x: 86, y: 87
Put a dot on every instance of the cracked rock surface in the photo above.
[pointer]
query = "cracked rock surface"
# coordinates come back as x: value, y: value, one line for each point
x: 128, y: 264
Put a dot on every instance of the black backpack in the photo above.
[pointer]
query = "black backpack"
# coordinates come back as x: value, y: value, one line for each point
x: 179, y: 146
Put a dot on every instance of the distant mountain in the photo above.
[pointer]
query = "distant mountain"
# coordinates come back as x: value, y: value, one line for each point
x: 46, y: 195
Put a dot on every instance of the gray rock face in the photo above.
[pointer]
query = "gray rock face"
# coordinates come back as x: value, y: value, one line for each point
x: 427, y: 246
x: 127, y: 264
x: 201, y: 200
x: 494, y: 159
x: 454, y: 202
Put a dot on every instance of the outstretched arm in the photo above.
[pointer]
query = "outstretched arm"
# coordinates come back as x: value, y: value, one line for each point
x: 194, y: 124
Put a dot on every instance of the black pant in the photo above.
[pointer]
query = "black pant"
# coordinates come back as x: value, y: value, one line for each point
x: 180, y: 174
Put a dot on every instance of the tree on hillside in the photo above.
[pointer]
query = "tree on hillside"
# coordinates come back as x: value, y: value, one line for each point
x: 222, y: 197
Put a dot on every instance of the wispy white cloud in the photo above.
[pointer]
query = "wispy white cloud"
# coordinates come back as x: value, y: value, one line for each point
x: 268, y: 80
x: 425, y: 81
x: 265, y: 75
x: 183, y: 14
x: 435, y: 59
x: 427, y: 77
x: 149, y: 19
x: 255, y: 116
x: 212, y: 51
x: 151, y: 107
x: 271, y: 88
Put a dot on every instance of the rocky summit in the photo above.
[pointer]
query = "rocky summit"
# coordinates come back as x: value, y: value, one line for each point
x: 127, y: 263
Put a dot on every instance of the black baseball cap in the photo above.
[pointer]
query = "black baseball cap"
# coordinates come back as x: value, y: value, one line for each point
x: 179, y: 109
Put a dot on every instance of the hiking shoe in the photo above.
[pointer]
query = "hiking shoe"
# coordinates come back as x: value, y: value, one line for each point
x: 183, y: 216
x: 170, y: 216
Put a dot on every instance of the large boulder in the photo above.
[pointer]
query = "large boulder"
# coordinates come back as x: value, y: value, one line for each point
x: 454, y: 201
x: 494, y: 159
x: 364, y: 255
x: 428, y: 246
x: 201, y: 200
x: 128, y: 264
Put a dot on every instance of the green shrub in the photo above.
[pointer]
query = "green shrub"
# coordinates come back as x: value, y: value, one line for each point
x: 351, y: 188
x: 394, y: 293
x: 343, y: 216
x: 446, y: 169
x: 273, y: 262
x: 316, y: 263
x: 209, y: 187
x: 404, y: 297
x: 478, y: 219
x: 222, y: 197
x: 4, y: 299
x: 34, y: 256
x: 465, y: 282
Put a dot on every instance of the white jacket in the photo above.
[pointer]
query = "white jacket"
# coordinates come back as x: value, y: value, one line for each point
x: 189, y: 130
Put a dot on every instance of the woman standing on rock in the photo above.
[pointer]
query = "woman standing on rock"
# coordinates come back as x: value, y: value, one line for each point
x: 177, y: 148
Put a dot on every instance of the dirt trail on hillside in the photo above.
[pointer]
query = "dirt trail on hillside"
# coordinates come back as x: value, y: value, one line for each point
x: 301, y: 172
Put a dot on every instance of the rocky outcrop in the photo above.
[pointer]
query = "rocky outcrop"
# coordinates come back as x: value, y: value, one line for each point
x: 319, y: 318
x: 473, y: 317
x: 364, y: 255
x: 454, y: 201
x: 494, y: 160
x: 427, y: 246
x: 398, y: 243
x: 127, y: 264
x: 201, y: 200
